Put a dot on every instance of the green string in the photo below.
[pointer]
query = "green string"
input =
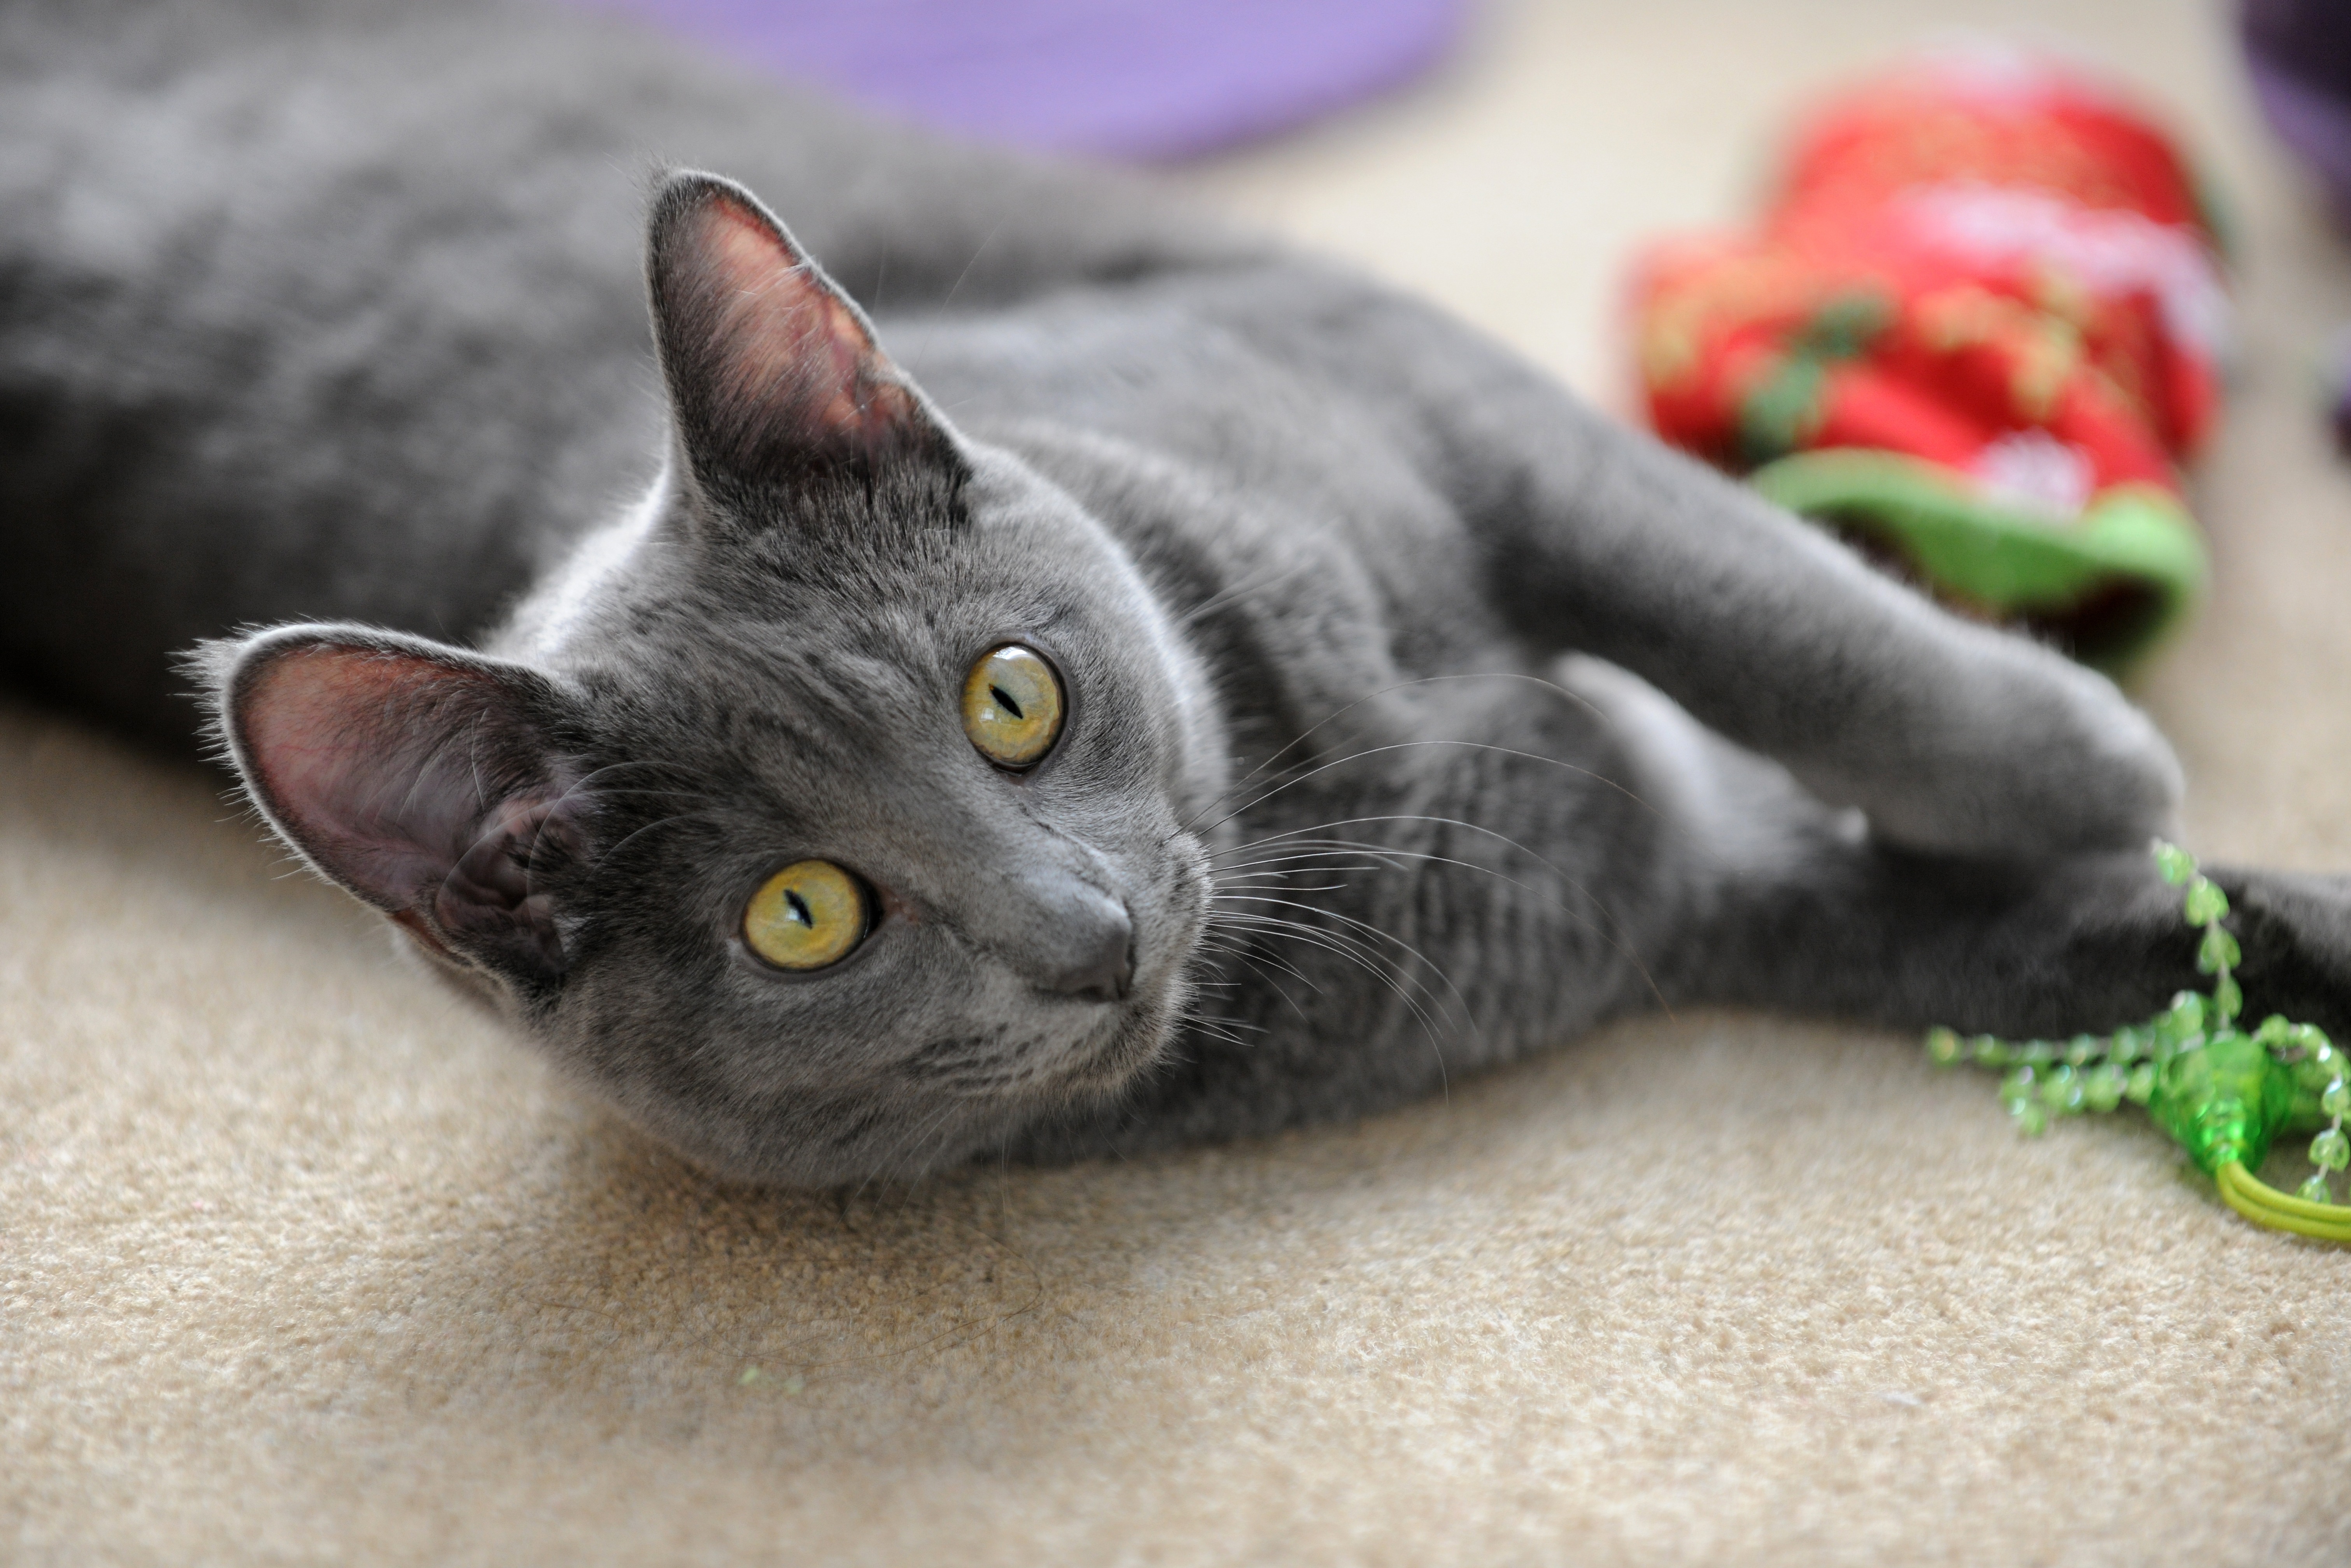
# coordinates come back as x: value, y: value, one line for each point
x: 2222, y: 1092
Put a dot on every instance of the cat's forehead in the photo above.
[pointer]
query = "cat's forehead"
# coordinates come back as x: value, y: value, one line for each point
x: 800, y: 679
x: 806, y: 661
x: 837, y: 551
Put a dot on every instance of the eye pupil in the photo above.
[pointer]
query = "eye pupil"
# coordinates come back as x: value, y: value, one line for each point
x: 801, y: 909
x: 1004, y: 700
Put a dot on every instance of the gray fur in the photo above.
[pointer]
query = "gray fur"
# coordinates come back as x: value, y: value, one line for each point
x: 1420, y: 718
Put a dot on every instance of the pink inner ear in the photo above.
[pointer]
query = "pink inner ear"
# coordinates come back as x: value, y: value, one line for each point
x: 376, y: 763
x: 784, y: 338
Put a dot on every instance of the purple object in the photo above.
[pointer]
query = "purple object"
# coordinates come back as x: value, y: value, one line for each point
x: 2298, y: 53
x: 1146, y: 79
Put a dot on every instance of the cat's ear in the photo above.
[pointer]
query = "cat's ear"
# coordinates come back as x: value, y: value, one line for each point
x: 424, y: 780
x: 773, y: 372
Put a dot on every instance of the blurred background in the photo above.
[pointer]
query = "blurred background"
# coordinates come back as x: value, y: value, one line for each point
x: 1390, y: 129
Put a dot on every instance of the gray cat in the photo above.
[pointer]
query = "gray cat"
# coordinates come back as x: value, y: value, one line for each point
x: 1181, y: 689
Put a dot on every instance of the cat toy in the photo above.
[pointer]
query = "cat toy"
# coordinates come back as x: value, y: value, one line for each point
x: 2223, y: 1092
x: 1977, y: 330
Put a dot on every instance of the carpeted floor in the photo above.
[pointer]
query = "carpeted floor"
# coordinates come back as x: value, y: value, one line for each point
x: 298, y: 1263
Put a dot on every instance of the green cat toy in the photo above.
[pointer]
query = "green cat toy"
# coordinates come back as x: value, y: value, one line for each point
x: 2223, y: 1092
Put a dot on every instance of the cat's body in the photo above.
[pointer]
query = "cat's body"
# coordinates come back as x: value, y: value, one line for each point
x: 310, y: 318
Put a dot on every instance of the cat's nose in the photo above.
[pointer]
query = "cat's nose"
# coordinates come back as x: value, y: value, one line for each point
x: 1097, y: 961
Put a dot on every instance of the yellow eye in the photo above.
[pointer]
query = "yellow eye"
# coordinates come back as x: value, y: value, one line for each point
x: 1012, y: 705
x: 806, y: 915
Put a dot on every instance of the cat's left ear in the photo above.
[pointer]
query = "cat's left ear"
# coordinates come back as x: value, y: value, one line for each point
x: 426, y: 780
x: 773, y: 372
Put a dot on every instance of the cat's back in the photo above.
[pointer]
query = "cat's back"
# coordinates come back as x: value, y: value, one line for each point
x: 325, y: 307
x: 514, y: 110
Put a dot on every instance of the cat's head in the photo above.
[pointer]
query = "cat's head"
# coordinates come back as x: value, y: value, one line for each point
x: 834, y: 814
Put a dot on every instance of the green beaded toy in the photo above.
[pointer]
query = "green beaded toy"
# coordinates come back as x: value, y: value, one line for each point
x: 2222, y: 1092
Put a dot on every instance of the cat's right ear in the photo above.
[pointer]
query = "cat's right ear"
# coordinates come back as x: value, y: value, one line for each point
x: 426, y: 780
x: 773, y: 372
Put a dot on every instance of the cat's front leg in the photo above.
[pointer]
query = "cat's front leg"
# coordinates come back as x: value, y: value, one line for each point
x: 1952, y: 737
x: 1760, y: 895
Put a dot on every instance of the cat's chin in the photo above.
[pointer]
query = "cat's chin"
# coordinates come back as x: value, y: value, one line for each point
x: 1099, y: 1063
x: 937, y: 1121
x: 1110, y: 1064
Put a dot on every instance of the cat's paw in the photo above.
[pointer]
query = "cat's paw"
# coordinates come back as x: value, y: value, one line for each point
x: 2296, y: 932
x: 2035, y: 756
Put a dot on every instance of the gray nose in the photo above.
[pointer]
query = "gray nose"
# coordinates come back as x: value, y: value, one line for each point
x: 1097, y: 961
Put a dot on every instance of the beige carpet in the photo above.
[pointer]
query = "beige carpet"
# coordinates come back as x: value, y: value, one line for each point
x: 299, y: 1264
